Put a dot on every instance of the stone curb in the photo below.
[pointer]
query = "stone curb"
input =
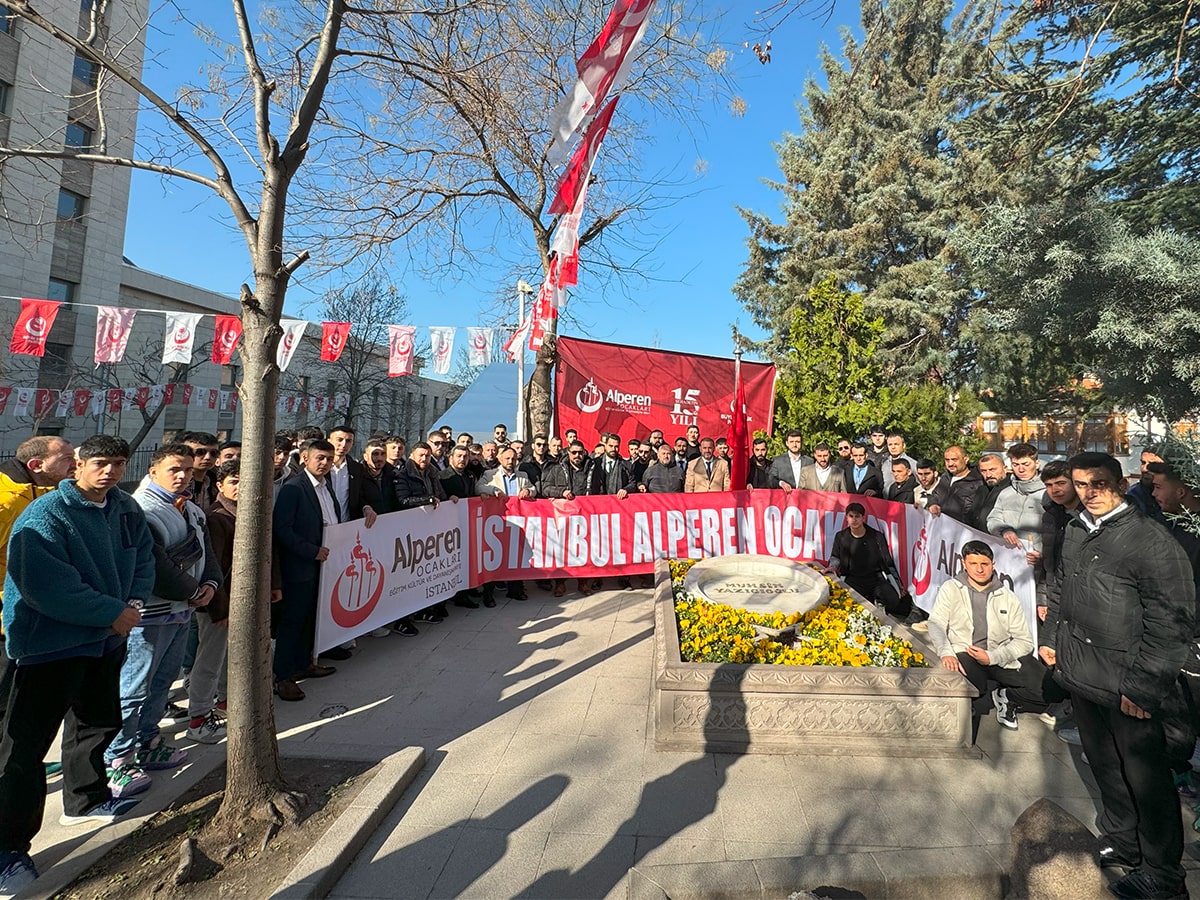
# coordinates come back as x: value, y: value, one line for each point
x: 316, y: 874
x: 75, y: 863
x: 398, y: 771
x: 894, y: 874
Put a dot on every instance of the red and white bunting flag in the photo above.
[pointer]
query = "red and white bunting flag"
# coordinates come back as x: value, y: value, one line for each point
x: 33, y: 327
x: 22, y: 400
x: 180, y: 337
x: 5, y: 393
x: 43, y: 402
x: 479, y: 346
x: 293, y: 331
x: 303, y: 407
x: 225, y: 338
x: 113, y: 324
x: 516, y: 342
x: 564, y: 245
x: 333, y: 339
x: 96, y: 406
x: 223, y: 401
x: 81, y: 402
x: 115, y: 396
x: 319, y: 404
x: 186, y: 396
x: 63, y: 409
x: 168, y: 394
x: 291, y: 403
x: 544, y: 314
x: 212, y: 396
x: 156, y: 396
x: 602, y: 69
x: 128, y: 398
x: 141, y: 397
x: 401, y: 345
x: 441, y: 348
x: 573, y: 179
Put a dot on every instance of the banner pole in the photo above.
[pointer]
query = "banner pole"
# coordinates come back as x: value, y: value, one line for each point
x: 519, y: 426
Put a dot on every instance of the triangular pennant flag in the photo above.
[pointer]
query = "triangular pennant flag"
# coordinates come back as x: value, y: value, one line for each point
x: 293, y: 331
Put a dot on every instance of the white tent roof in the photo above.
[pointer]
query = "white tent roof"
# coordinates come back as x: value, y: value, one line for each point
x: 490, y: 399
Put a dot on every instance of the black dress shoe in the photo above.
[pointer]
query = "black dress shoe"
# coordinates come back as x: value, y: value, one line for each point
x: 521, y: 596
x: 489, y: 602
x: 1112, y: 858
x: 315, y: 671
x: 288, y: 690
x: 337, y: 654
x: 466, y: 603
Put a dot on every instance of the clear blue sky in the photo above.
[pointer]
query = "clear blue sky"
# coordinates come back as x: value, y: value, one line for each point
x: 178, y: 230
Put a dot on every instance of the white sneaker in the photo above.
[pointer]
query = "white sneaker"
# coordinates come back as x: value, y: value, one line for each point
x: 210, y: 730
x: 383, y: 631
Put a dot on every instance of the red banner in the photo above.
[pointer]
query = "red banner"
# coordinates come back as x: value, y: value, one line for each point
x: 229, y: 330
x: 597, y: 536
x: 333, y: 340
x: 632, y: 390
x: 33, y: 326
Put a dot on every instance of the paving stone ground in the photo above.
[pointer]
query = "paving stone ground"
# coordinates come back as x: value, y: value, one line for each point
x: 542, y: 778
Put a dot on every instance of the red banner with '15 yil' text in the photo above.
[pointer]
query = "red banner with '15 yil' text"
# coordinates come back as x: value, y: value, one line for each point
x: 630, y: 391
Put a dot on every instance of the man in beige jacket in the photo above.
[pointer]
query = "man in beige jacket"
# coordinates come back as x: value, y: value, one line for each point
x: 822, y: 475
x: 707, y: 472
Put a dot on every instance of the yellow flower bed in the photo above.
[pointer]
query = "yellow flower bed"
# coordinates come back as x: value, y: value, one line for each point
x: 840, y: 633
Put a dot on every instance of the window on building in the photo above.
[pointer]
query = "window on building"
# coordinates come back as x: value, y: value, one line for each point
x: 6, y: 19
x: 70, y: 205
x: 86, y: 71
x: 78, y: 135
x: 55, y: 365
x: 62, y: 291
x: 5, y: 95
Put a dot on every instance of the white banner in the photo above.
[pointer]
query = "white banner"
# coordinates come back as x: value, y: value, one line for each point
x: 479, y: 346
x: 293, y: 331
x: 180, y: 337
x: 113, y: 325
x: 409, y: 560
x: 935, y: 548
x: 441, y: 348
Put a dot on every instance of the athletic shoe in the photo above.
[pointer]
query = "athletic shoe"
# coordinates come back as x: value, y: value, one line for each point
x: 106, y: 813
x: 206, y: 729
x: 1185, y: 786
x: 52, y: 768
x: 1006, y: 712
x: 406, y: 628
x: 383, y: 631
x: 1141, y: 885
x: 159, y: 755
x: 175, y: 713
x: 1069, y: 736
x: 17, y: 872
x: 127, y: 780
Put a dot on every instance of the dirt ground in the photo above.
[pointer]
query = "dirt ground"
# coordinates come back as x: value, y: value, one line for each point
x: 144, y: 865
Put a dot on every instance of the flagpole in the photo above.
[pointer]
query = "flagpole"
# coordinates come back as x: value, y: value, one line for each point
x: 523, y: 288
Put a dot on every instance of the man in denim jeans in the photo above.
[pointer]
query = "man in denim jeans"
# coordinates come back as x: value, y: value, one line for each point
x: 186, y: 577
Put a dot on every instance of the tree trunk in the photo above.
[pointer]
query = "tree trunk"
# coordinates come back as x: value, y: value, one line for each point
x: 540, y: 399
x: 254, y: 778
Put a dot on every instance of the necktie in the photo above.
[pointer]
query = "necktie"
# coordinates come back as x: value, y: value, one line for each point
x: 708, y: 468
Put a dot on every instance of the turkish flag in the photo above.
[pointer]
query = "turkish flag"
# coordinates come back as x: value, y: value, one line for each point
x: 82, y: 400
x: 43, y: 399
x: 564, y: 246
x: 631, y: 391
x: 602, y: 69
x: 570, y: 186
x: 115, y: 396
x: 738, y: 437
x: 229, y: 330
x: 33, y: 326
x: 333, y: 339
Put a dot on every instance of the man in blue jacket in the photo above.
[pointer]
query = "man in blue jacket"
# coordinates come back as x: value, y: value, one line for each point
x: 80, y: 563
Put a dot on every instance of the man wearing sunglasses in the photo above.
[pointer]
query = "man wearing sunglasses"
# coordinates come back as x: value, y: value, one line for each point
x: 205, y: 450
x: 437, y: 450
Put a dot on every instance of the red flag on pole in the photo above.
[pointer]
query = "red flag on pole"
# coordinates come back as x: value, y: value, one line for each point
x: 739, y: 435
x: 570, y: 186
x: 333, y: 340
x: 33, y: 326
x: 229, y: 330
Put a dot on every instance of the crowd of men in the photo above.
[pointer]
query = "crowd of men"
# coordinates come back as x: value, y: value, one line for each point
x: 109, y: 597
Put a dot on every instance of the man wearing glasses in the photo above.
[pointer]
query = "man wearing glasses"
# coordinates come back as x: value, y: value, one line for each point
x: 1117, y: 629
x: 567, y: 480
x: 205, y: 450
x: 437, y: 450
x: 844, y: 461
x: 536, y: 465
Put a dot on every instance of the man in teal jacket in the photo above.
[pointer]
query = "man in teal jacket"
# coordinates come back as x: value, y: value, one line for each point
x: 80, y: 562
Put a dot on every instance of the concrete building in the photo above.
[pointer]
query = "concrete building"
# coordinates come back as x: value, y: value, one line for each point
x: 63, y: 239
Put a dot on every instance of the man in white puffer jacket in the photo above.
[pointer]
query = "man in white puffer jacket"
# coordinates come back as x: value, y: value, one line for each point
x: 979, y: 630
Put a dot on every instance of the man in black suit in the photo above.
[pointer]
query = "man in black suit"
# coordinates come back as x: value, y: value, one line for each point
x: 862, y: 477
x: 306, y: 505
x: 785, y: 468
x: 354, y: 488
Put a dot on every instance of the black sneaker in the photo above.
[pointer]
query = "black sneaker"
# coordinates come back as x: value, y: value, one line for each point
x: 175, y: 713
x: 1006, y: 712
x: 405, y: 628
x: 430, y: 617
x: 1141, y: 885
